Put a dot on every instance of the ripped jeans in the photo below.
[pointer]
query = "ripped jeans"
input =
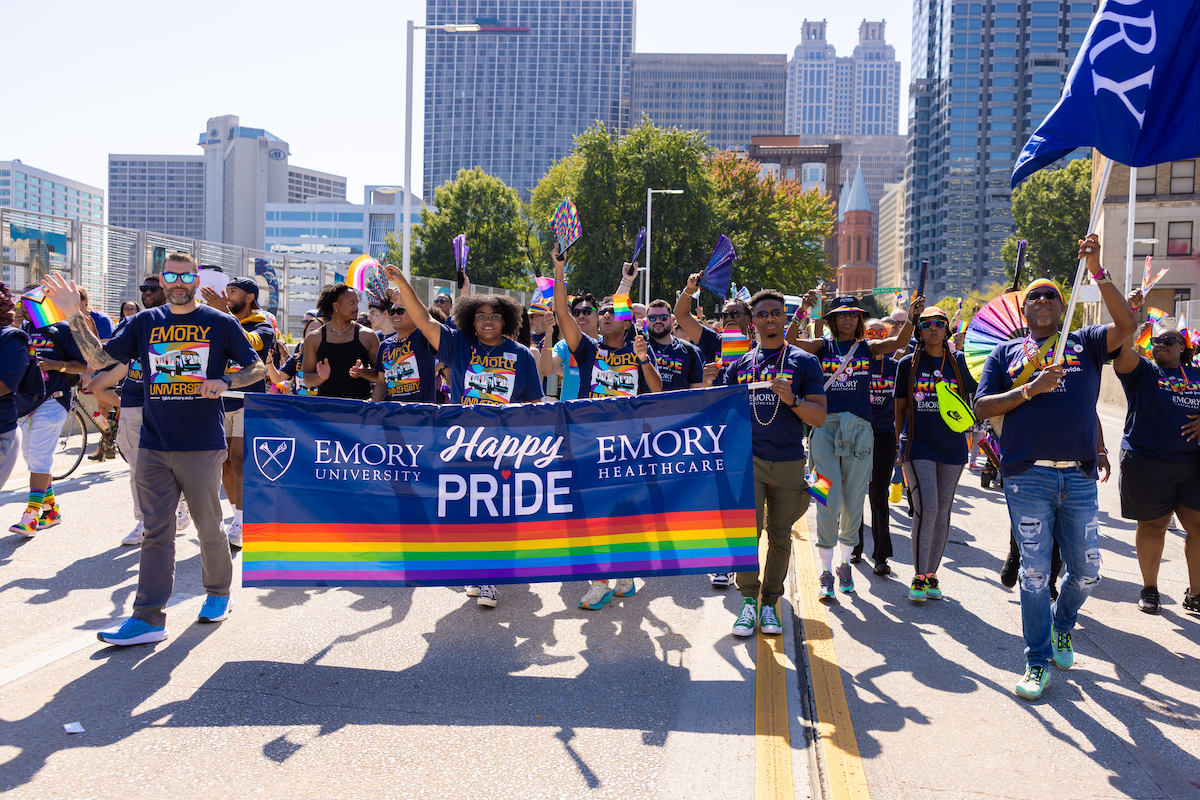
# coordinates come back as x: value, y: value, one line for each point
x: 1044, y: 505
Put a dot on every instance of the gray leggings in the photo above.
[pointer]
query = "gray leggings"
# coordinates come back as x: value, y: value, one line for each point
x: 931, y: 489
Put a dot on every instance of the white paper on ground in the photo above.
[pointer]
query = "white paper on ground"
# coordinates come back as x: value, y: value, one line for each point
x: 73, y: 727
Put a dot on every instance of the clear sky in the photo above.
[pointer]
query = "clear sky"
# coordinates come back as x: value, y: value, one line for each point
x: 132, y: 76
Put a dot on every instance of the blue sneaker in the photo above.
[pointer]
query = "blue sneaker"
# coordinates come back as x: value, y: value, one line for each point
x: 1033, y: 682
x: 132, y: 631
x: 845, y: 577
x: 597, y: 596
x: 1064, y: 654
x: 826, y: 589
x: 215, y: 609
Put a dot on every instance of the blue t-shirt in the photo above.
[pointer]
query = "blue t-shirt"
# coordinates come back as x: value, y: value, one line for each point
x: 778, y: 434
x: 709, y: 344
x: 493, y: 375
x: 679, y: 363
x: 55, y: 342
x: 883, y: 399
x: 1058, y: 425
x: 933, y: 440
x: 852, y: 389
x: 104, y: 326
x: 133, y: 391
x: 14, y: 360
x: 607, y: 372
x: 256, y: 326
x: 569, y: 389
x: 407, y: 366
x: 1160, y: 402
x: 179, y: 352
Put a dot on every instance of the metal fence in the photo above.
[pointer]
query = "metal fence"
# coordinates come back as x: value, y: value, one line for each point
x: 110, y: 263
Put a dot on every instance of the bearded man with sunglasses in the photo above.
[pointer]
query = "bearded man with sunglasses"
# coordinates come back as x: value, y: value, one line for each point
x: 184, y: 348
x: 1048, y: 458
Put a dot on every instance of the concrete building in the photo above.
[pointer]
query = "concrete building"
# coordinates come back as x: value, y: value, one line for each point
x: 984, y: 75
x: 856, y: 94
x: 326, y: 231
x: 511, y: 99
x: 31, y: 189
x: 732, y: 97
x: 816, y: 166
x: 157, y: 193
x: 889, y: 259
x: 855, y: 238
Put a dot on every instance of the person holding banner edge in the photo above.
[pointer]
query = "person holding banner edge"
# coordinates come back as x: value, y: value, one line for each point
x: 1050, y: 481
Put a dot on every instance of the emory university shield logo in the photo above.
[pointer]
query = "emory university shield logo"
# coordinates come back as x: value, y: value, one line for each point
x: 273, y: 455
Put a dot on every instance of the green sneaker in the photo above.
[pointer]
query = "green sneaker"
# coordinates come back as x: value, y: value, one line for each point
x: 1064, y: 654
x: 917, y: 592
x: 1033, y: 683
x: 932, y: 590
x: 747, y: 621
x: 768, y: 621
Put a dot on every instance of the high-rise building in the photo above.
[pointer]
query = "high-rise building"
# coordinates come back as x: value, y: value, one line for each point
x: 984, y: 75
x: 32, y: 189
x: 889, y: 259
x: 856, y: 94
x: 512, y: 98
x: 157, y: 193
x: 733, y: 97
x: 815, y: 166
x: 856, y: 238
x: 322, y: 230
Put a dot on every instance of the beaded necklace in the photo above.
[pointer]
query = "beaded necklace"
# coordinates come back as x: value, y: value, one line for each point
x: 759, y: 371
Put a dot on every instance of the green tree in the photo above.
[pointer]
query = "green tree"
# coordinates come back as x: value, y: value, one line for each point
x: 1051, y: 210
x: 488, y: 212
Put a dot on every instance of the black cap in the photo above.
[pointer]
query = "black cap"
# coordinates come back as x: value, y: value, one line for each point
x: 844, y: 303
x: 247, y: 285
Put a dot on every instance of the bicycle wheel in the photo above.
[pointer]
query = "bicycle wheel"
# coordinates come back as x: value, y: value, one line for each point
x: 70, y: 447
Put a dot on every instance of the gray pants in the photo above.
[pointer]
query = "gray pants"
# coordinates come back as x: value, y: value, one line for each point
x: 160, y: 478
x: 9, y: 448
x: 931, y: 489
x: 129, y: 439
x: 781, y: 496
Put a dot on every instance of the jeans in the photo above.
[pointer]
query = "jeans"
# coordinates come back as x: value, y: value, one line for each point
x: 1047, y: 505
x: 780, y: 494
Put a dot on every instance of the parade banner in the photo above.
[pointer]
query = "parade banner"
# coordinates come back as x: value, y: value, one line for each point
x: 346, y: 493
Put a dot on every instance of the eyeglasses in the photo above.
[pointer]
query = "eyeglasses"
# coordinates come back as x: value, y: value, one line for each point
x: 847, y: 314
x: 774, y: 313
x: 731, y: 314
x: 872, y: 334
x: 396, y: 311
x: 151, y: 287
x: 658, y: 317
x: 487, y: 317
x: 1166, y: 341
x: 607, y: 312
x: 1044, y: 294
x: 186, y: 277
x: 582, y: 312
x: 939, y: 324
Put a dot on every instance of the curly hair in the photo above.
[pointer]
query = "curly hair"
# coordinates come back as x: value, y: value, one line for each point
x: 8, y: 307
x: 330, y: 295
x: 508, y: 309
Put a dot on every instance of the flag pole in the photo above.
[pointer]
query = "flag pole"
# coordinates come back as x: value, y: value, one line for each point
x: 1099, y: 203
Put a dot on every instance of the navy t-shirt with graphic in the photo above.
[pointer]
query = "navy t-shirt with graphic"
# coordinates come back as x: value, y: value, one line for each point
x: 488, y: 375
x: 883, y: 399
x: 852, y: 389
x: 1160, y: 404
x: 179, y: 352
x: 709, y: 344
x: 1059, y: 425
x: 777, y: 433
x: 14, y: 360
x: 607, y: 372
x: 55, y: 343
x: 932, y: 440
x: 133, y: 391
x: 259, y: 330
x: 679, y: 363
x: 407, y: 364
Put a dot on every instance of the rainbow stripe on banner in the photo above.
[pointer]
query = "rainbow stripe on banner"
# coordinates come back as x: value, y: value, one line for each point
x: 621, y: 308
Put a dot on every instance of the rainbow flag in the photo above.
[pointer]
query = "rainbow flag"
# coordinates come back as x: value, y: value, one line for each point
x: 818, y: 487
x: 962, y: 325
x: 1143, y: 339
x: 734, y: 343
x: 40, y: 309
x: 1155, y: 315
x: 622, y: 311
x: 542, y: 296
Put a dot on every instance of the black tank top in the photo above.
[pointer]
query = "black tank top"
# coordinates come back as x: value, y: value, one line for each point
x: 341, y: 358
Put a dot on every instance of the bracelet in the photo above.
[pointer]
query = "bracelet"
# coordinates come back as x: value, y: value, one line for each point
x: 1102, y: 276
x: 643, y: 361
x: 800, y: 317
x: 1025, y: 392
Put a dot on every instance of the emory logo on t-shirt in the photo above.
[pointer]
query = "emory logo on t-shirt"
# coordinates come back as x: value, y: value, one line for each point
x: 400, y: 369
x: 490, y: 380
x: 178, y: 368
x: 614, y: 375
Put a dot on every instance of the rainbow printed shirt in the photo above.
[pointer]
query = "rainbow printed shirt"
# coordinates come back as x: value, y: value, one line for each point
x: 1160, y: 403
x: 932, y: 440
x: 852, y: 389
x: 407, y: 366
x: 481, y: 375
x: 778, y: 433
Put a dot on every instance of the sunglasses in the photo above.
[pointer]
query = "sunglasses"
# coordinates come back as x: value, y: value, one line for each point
x: 487, y: 317
x: 735, y: 314
x: 150, y: 287
x: 1166, y: 341
x: 846, y: 314
x: 876, y: 334
x: 396, y: 311
x: 774, y: 313
x: 607, y: 312
x: 186, y: 277
x: 1043, y: 294
x: 437, y: 300
x: 658, y: 317
x: 582, y: 312
x: 938, y: 324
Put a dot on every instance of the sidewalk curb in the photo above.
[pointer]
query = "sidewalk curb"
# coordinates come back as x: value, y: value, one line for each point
x: 816, y: 772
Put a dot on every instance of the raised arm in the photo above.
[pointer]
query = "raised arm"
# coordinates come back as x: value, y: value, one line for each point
x: 1123, y: 324
x: 683, y: 309
x: 881, y: 347
x: 562, y: 310
x: 65, y: 295
x: 807, y: 303
x: 415, y: 309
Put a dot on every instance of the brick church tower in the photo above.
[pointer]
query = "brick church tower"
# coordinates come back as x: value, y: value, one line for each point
x: 856, y: 242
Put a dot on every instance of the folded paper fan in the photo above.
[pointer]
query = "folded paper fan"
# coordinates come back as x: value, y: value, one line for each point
x: 719, y: 272
x: 1156, y: 315
x: 40, y: 309
x: 565, y: 224
x: 639, y: 243
x: 734, y: 343
x: 460, y: 252
x: 997, y: 322
x: 743, y: 294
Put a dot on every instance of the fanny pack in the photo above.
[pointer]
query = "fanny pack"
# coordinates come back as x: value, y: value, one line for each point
x: 954, y: 410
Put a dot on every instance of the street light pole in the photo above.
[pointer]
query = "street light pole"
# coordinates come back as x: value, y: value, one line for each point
x: 646, y: 269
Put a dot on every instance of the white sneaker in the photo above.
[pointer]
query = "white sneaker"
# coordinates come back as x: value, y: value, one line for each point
x: 183, y: 517
x: 624, y: 587
x: 234, y: 533
x: 135, y: 536
x: 598, y: 595
x: 472, y: 591
x: 488, y: 596
x: 722, y: 580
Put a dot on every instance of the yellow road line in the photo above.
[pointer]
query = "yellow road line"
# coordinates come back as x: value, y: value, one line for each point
x: 773, y: 778
x: 839, y: 747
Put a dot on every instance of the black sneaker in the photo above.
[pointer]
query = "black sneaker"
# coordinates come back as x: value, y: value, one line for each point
x: 1149, y: 600
x: 1008, y: 573
x: 882, y: 567
x: 1191, y: 603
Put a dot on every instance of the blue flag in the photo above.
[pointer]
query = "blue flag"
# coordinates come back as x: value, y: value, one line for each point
x: 1133, y: 92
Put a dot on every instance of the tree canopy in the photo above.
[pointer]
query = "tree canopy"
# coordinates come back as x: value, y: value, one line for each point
x: 1052, y: 210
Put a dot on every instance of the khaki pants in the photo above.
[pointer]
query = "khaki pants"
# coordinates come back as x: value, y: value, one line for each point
x: 780, y: 494
x: 129, y: 439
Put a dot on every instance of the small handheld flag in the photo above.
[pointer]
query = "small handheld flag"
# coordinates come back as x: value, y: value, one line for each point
x: 1147, y: 281
x: 638, y: 243
x: 541, y: 297
x: 734, y: 343
x: 818, y: 487
x: 1143, y: 339
x: 40, y: 309
x: 565, y: 223
x: 622, y: 311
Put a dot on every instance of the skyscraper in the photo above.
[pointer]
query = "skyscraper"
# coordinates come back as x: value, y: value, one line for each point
x: 511, y: 100
x: 857, y: 94
x: 157, y: 193
x: 733, y: 97
x: 984, y: 75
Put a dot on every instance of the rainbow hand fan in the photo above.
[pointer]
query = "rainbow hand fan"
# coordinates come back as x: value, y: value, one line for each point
x: 638, y: 244
x: 734, y: 343
x: 365, y: 274
x: 40, y: 309
x: 719, y: 272
x: 997, y: 322
x: 743, y: 294
x: 461, y: 250
x: 565, y: 223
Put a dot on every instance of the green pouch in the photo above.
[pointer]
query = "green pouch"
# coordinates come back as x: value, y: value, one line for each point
x: 954, y: 410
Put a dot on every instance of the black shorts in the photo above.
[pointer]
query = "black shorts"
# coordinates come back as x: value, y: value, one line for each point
x: 1152, y: 488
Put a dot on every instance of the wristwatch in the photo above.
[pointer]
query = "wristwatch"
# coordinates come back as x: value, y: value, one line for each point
x: 228, y: 380
x: 795, y: 402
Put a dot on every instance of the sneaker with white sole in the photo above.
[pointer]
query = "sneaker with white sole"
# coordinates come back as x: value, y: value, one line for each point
x: 1064, y: 653
x: 845, y: 577
x: 768, y: 621
x: 28, y: 526
x: 183, y: 517
x: 234, y: 532
x: 132, y: 631
x: 215, y: 609
x: 826, y: 589
x: 598, y: 595
x: 472, y: 591
x: 135, y: 536
x: 722, y: 580
x: 488, y: 596
x: 49, y: 518
x: 1033, y: 682
x: 747, y: 620
x: 624, y: 587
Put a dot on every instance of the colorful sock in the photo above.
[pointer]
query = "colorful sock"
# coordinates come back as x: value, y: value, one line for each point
x: 35, y: 502
x: 48, y: 501
x: 844, y: 552
x: 826, y: 558
x: 237, y: 516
